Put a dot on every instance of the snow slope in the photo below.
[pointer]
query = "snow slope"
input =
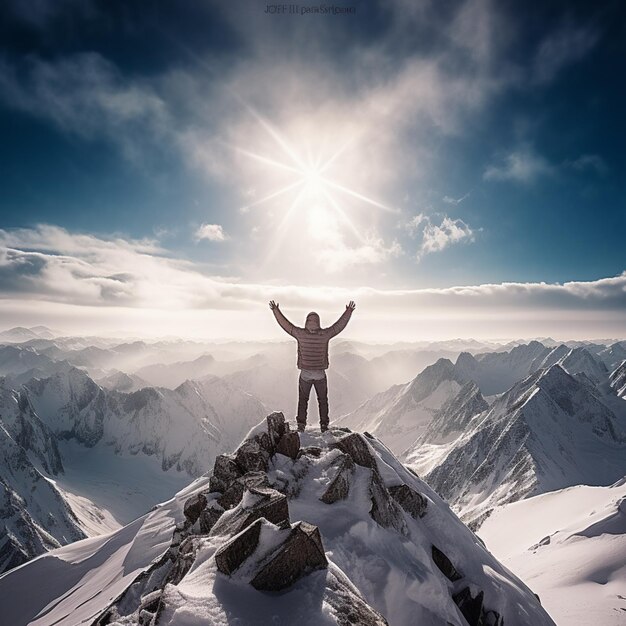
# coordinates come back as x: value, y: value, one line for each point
x: 570, y: 546
x: 383, y: 555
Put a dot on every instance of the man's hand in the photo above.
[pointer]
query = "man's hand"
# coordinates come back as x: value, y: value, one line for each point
x: 273, y: 305
x: 351, y: 305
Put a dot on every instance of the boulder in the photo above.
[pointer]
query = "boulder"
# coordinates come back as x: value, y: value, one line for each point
x: 193, y: 507
x: 384, y: 509
x: 314, y: 451
x: 357, y: 447
x: 348, y: 606
x: 208, y: 518
x: 445, y: 565
x: 233, y: 553
x: 276, y: 427
x: 472, y: 608
x: 225, y: 470
x: 257, y: 502
x: 233, y: 494
x: 184, y: 560
x: 300, y: 553
x: 252, y: 455
x: 339, y: 486
x: 289, y: 445
x: 411, y: 501
x: 181, y: 530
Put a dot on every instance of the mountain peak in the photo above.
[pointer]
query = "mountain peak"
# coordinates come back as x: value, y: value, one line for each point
x: 301, y: 513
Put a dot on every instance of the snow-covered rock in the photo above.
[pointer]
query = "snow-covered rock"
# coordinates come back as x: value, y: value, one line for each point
x: 382, y: 563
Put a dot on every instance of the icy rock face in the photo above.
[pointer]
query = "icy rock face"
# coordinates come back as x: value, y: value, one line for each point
x: 343, y: 525
x: 618, y: 380
x: 34, y: 516
x: 549, y: 431
x: 454, y: 415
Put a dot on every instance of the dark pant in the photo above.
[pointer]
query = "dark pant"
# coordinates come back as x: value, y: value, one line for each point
x: 304, y: 391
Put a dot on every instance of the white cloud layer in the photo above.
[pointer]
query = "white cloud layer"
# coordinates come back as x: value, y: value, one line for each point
x: 79, y: 278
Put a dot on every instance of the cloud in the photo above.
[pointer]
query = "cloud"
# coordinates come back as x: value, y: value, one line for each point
x: 521, y: 166
x: 86, y: 95
x: 81, y: 277
x: 437, y: 237
x: 212, y: 232
x: 450, y: 231
x: 589, y: 162
x: 451, y: 200
x: 563, y: 47
x: 412, y: 226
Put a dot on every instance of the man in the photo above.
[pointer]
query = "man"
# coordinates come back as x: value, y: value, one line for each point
x: 312, y: 358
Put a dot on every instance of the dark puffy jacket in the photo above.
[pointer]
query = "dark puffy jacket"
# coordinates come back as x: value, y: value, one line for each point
x: 312, y: 346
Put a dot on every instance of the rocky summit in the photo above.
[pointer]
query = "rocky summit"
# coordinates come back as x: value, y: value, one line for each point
x: 290, y: 528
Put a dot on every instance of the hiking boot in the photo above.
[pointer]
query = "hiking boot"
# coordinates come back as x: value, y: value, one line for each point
x: 301, y: 427
x: 323, y: 427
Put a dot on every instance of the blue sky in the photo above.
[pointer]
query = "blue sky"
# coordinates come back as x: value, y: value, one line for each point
x: 457, y: 167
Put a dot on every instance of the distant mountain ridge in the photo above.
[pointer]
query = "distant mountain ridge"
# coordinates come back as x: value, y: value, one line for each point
x: 185, y: 429
x: 550, y: 430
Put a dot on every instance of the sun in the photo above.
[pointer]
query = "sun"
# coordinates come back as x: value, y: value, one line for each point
x: 315, y: 197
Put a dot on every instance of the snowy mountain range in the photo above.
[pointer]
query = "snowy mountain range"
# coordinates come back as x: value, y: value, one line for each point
x: 89, y: 442
x: 304, y: 528
x: 181, y: 431
x: 551, y: 430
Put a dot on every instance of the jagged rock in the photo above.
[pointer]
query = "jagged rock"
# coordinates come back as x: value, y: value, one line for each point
x: 445, y: 565
x: 150, y: 602
x: 184, y: 560
x: 301, y: 553
x: 289, y: 445
x: 339, y: 486
x: 208, y: 518
x: 276, y: 427
x: 253, y: 455
x: 384, y: 509
x: 194, y: 506
x: 309, y: 451
x: 492, y: 618
x: 357, y: 447
x: 350, y: 608
x: 232, y: 496
x: 472, y: 608
x: 225, y: 471
x: 232, y: 554
x: 257, y: 502
x: 411, y: 501
x: 181, y: 530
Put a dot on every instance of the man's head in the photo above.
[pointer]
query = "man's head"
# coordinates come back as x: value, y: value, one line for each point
x: 312, y: 321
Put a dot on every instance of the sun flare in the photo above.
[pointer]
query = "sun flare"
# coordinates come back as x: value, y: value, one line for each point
x: 308, y: 184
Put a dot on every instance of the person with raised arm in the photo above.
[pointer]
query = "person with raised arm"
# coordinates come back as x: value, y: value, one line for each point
x: 312, y: 358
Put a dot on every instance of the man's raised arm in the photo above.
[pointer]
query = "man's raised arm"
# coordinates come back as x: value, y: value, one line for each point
x: 340, y: 324
x: 285, y: 324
